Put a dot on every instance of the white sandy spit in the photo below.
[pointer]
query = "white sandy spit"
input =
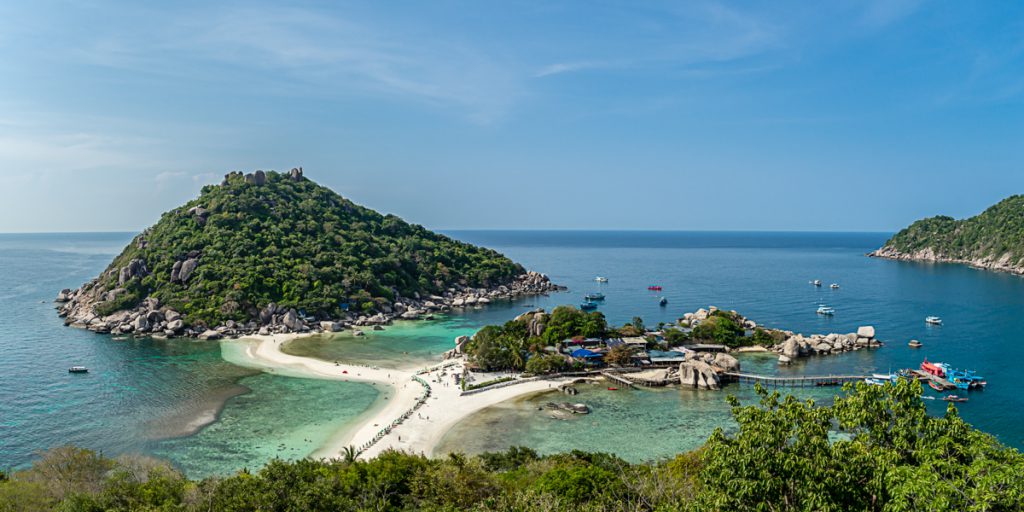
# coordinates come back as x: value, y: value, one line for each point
x: 421, y: 431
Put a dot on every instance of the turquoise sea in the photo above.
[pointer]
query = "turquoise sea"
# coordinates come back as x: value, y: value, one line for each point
x: 182, y: 401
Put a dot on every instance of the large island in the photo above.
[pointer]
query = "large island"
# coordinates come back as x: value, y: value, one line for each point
x: 269, y: 252
x: 993, y: 239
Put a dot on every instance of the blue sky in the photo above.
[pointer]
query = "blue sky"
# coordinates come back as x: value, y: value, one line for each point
x: 859, y: 115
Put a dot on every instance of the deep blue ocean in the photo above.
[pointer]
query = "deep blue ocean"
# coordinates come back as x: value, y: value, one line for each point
x: 180, y: 400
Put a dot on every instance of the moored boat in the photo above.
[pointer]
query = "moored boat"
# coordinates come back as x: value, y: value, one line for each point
x: 935, y: 385
x: 914, y: 344
x: 654, y: 288
x: 933, y: 320
x: 663, y: 302
x: 78, y: 369
x: 826, y: 310
x: 591, y: 297
x: 834, y: 286
x: 954, y: 398
x: 588, y: 306
x: 601, y: 279
x: 875, y: 382
x: 933, y: 368
x: 816, y: 282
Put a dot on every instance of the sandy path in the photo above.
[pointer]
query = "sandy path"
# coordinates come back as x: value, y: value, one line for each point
x: 421, y: 432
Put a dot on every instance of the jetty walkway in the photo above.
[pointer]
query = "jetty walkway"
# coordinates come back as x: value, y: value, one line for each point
x: 620, y: 380
x: 792, y: 382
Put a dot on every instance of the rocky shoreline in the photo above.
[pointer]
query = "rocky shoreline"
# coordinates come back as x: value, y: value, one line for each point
x: 928, y: 255
x: 150, y: 318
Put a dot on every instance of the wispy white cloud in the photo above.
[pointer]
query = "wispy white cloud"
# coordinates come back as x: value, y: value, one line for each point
x: 318, y: 53
x: 684, y: 36
x: 879, y: 13
x: 569, y: 67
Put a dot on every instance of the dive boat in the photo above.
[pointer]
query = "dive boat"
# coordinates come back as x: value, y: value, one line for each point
x: 78, y: 369
x: 915, y: 344
x: 826, y: 310
x: 663, y: 302
x: 654, y: 288
x: 834, y: 286
x: 601, y: 279
x: 933, y: 369
x: 816, y: 282
x: 588, y: 306
x: 933, y: 320
x: 954, y: 398
x: 591, y: 297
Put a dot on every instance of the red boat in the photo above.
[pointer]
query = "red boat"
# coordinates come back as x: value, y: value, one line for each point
x: 935, y: 385
x: 933, y: 369
x: 654, y: 288
x: 613, y: 389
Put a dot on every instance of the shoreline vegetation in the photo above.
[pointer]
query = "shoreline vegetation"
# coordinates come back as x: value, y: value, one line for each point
x: 991, y: 240
x: 889, y: 454
x: 273, y: 253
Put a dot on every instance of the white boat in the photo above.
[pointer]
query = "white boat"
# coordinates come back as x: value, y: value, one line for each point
x: 78, y: 369
x: 875, y: 382
x: 816, y: 282
x: 826, y: 310
x: 834, y: 286
x: 934, y: 320
x: 601, y: 279
x: 884, y: 377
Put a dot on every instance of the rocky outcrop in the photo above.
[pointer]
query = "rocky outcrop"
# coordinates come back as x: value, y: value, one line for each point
x: 698, y: 374
x: 1003, y: 263
x: 135, y: 268
x: 797, y: 345
x: 258, y: 178
x: 200, y: 214
x: 536, y: 321
x: 181, y: 271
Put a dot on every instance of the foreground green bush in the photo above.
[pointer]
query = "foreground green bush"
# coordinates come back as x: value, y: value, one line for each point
x: 873, y: 449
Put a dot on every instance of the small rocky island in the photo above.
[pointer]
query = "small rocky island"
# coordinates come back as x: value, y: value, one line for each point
x: 991, y: 240
x: 269, y: 252
x: 696, y: 351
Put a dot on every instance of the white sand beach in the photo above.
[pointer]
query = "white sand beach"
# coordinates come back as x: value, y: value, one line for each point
x: 419, y: 433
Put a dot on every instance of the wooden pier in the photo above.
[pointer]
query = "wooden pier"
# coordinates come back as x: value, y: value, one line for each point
x: 791, y: 382
x: 615, y: 378
x: 925, y: 376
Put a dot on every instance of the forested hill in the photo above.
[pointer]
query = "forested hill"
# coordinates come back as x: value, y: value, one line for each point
x: 993, y: 239
x: 279, y: 238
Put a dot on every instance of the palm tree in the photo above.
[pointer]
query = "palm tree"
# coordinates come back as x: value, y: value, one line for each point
x: 350, y: 454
